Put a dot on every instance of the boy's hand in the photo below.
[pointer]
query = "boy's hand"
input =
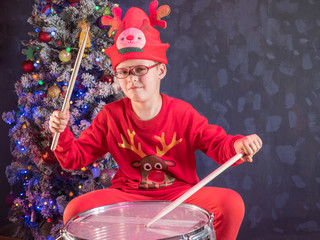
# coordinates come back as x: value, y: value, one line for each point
x: 58, y: 121
x: 249, y: 145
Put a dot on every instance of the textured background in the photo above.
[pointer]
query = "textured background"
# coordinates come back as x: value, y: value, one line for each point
x: 250, y: 66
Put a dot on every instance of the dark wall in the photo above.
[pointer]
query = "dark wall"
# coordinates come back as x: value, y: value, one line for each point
x: 250, y: 66
x: 13, y: 29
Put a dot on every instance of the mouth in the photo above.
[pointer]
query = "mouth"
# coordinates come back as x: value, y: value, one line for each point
x: 134, y: 87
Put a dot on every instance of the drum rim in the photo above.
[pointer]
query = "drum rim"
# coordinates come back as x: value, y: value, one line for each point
x: 89, y: 211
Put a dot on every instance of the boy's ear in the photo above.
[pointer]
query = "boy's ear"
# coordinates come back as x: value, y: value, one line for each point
x: 162, y: 70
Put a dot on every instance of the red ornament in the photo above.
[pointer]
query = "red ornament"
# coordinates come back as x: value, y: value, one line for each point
x: 48, y: 156
x: 47, y: 10
x: 27, y: 66
x: 106, y: 77
x: 45, y: 36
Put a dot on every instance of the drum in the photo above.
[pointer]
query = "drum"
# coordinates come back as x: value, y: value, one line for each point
x: 127, y: 221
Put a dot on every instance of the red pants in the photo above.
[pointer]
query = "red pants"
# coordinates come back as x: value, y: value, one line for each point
x: 226, y: 205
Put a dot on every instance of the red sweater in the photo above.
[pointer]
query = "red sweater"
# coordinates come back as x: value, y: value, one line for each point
x: 155, y: 157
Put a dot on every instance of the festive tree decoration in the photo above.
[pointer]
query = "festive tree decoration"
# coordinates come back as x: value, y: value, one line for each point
x: 45, y: 36
x: 64, y: 56
x: 28, y: 66
x: 29, y: 54
x: 41, y: 189
x: 107, y: 77
x: 53, y: 91
x: 84, y: 26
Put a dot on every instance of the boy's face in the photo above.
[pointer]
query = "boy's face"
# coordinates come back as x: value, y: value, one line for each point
x: 142, y: 88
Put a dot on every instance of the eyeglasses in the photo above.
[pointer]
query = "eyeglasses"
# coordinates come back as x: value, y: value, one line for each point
x: 138, y: 70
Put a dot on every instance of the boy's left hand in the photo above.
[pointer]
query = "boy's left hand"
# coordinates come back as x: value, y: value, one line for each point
x: 249, y: 145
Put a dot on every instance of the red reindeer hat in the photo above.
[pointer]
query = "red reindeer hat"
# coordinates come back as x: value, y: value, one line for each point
x: 136, y: 38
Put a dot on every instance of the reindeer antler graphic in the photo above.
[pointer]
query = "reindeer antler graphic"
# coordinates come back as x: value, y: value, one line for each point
x: 160, y: 153
x: 165, y: 147
x: 132, y: 147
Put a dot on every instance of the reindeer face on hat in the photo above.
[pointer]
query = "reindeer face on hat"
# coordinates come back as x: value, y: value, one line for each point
x: 136, y: 38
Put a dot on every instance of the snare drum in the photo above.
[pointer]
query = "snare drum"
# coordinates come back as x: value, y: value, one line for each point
x: 127, y: 221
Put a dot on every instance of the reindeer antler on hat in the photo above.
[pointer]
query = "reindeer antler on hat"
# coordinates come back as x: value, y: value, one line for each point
x: 136, y: 38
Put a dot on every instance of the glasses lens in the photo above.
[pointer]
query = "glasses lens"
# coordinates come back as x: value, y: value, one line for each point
x: 121, y: 73
x: 140, y: 70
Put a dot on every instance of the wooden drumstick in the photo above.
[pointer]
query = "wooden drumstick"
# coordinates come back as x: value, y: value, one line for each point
x: 195, y: 188
x: 71, y: 85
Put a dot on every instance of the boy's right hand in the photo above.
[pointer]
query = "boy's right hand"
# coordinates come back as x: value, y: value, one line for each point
x: 58, y: 121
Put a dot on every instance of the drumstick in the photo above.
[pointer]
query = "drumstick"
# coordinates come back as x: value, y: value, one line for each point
x: 195, y: 188
x: 71, y: 85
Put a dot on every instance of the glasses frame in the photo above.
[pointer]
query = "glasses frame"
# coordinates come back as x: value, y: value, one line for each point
x: 131, y: 70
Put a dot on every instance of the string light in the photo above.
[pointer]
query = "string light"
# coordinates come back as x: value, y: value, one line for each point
x: 68, y: 49
x: 40, y: 82
x: 97, y: 8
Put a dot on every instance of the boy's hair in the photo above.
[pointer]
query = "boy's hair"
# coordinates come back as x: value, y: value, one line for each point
x: 136, y: 38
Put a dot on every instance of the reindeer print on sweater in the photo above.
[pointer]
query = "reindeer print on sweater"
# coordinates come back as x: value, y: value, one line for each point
x: 153, y: 169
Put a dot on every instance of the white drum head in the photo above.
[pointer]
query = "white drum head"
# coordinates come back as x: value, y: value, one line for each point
x: 127, y: 221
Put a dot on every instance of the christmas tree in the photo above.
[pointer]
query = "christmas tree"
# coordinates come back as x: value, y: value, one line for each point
x: 41, y: 189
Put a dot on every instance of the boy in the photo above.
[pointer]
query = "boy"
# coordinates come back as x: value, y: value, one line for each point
x: 151, y: 136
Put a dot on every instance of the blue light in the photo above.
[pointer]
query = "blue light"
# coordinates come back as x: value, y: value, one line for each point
x: 21, y: 194
x: 23, y: 149
x: 18, y: 142
x: 37, y: 29
x: 35, y: 64
x: 53, y: 33
x: 97, y: 59
x: 34, y: 110
x: 85, y: 107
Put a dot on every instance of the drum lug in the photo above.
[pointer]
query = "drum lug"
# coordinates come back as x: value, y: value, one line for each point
x: 186, y: 237
x: 64, y: 235
x: 211, y: 219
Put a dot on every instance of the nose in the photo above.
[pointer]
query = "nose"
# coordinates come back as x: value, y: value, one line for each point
x: 130, y: 37
x: 131, y: 77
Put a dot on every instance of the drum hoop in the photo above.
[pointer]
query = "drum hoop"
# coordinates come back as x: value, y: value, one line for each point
x: 93, y: 210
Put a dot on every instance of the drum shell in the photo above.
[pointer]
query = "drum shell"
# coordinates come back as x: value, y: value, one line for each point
x: 199, y: 227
